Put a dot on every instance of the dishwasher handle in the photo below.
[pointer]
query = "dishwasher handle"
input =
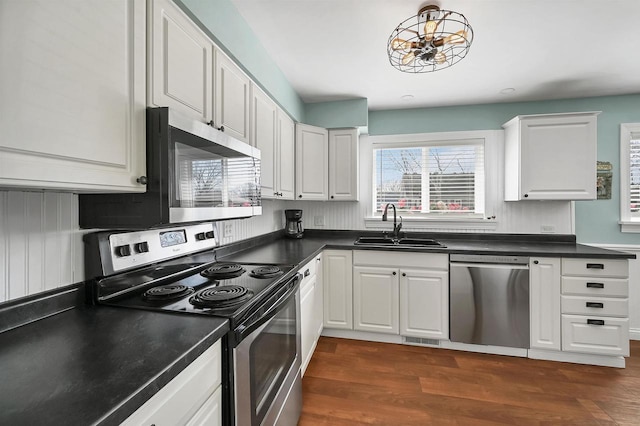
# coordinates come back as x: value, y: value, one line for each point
x: 487, y: 265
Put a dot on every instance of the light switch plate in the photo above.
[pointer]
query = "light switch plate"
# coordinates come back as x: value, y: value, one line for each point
x: 227, y: 231
x: 318, y: 220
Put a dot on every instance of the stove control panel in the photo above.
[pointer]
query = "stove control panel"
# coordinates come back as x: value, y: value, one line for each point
x: 138, y: 248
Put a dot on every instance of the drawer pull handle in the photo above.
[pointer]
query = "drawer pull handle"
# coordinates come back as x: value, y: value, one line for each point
x: 595, y: 285
x: 595, y: 305
x: 595, y: 322
x: 307, y: 273
x: 595, y: 266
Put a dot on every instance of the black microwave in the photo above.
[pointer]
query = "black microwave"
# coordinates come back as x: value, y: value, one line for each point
x: 194, y: 173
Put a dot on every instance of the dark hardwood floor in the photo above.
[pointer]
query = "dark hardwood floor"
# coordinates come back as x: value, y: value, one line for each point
x: 350, y: 382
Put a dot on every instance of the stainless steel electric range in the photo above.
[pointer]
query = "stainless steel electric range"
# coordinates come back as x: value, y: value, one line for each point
x: 175, y: 270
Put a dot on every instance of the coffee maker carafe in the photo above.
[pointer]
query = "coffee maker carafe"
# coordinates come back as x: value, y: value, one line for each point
x: 293, y: 228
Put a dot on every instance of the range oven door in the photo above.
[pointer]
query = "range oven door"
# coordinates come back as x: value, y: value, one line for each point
x: 268, y: 385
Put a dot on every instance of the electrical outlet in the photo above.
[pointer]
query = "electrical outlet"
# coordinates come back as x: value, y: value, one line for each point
x: 318, y: 220
x: 227, y: 230
x: 547, y: 229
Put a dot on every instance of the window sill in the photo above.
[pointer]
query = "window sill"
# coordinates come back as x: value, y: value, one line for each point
x: 630, y: 226
x: 457, y: 224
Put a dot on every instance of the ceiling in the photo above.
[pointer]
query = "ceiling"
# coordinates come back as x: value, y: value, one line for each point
x: 544, y: 49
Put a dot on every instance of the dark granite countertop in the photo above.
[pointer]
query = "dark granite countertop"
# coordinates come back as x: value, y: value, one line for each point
x: 95, y: 365
x: 82, y: 365
x: 296, y: 251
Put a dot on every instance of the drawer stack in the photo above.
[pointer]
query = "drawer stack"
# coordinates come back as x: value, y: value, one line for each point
x: 595, y: 306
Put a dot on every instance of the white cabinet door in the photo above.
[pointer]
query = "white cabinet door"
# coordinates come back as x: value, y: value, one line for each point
x: 263, y: 137
x: 338, y: 289
x: 312, y: 158
x: 376, y: 299
x: 544, y: 303
x: 72, y: 109
x: 318, y: 312
x: 343, y: 164
x: 185, y: 395
x: 308, y: 328
x: 231, y: 95
x: 181, y: 58
x: 551, y: 157
x: 210, y: 414
x: 424, y: 303
x: 285, y: 171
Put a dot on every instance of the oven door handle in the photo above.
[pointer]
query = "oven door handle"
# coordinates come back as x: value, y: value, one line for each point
x: 245, y: 330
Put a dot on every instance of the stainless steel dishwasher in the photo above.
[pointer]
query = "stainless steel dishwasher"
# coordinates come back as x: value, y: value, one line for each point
x: 489, y: 300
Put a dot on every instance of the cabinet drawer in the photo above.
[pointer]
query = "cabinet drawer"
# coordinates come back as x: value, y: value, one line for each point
x: 592, y: 286
x: 596, y: 267
x: 399, y: 260
x: 605, y: 306
x: 183, y: 396
x: 595, y: 335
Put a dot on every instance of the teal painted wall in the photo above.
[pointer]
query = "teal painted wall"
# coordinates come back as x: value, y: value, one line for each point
x: 224, y: 24
x: 596, y: 221
x: 332, y: 115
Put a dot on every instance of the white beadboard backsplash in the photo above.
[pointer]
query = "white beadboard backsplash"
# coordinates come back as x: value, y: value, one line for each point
x: 511, y: 217
x: 41, y: 245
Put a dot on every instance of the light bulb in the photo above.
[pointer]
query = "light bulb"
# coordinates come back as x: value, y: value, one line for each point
x: 440, y: 58
x: 429, y: 29
x: 408, y: 58
x: 400, y: 44
x: 457, y: 38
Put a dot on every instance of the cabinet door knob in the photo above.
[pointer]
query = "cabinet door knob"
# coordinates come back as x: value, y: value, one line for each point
x: 142, y: 180
x: 526, y: 195
x: 332, y: 197
x: 535, y: 262
x: 300, y: 196
x: 404, y: 274
x: 394, y: 272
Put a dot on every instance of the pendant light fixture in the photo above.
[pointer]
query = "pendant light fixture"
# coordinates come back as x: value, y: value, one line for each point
x: 432, y: 40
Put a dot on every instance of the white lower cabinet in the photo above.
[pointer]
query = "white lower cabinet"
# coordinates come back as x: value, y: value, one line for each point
x: 401, y: 293
x: 376, y: 297
x: 188, y: 398
x: 338, y: 289
x: 311, y: 315
x: 544, y: 303
x: 424, y: 303
x: 595, y: 306
x: 595, y: 335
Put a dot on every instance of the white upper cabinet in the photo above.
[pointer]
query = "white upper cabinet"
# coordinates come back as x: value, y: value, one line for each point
x: 273, y: 133
x: 343, y: 164
x: 263, y: 137
x: 285, y: 170
x: 551, y: 157
x: 312, y: 162
x: 181, y: 58
x: 232, y: 96
x: 72, y: 110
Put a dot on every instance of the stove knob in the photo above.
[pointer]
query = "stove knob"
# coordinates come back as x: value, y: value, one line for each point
x: 142, y: 247
x: 200, y: 236
x: 123, y: 251
x: 209, y: 234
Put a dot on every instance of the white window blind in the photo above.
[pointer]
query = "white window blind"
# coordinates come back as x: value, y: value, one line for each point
x: 434, y: 179
x: 634, y: 176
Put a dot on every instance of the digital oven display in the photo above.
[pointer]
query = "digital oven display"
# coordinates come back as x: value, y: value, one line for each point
x: 173, y: 238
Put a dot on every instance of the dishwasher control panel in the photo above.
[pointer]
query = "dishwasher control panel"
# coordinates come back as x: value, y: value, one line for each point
x: 489, y: 258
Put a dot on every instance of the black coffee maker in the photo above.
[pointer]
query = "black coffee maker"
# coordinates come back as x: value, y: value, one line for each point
x: 293, y: 228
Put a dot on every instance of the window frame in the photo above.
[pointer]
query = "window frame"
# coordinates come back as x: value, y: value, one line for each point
x: 491, y: 139
x: 627, y: 222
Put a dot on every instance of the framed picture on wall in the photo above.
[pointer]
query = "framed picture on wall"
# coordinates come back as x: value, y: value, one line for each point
x: 603, y: 183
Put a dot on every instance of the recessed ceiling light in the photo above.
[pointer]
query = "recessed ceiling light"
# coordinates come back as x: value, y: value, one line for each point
x: 507, y: 91
x: 407, y: 97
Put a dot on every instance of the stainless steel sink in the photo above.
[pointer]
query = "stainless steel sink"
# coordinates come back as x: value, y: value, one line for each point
x: 404, y: 242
